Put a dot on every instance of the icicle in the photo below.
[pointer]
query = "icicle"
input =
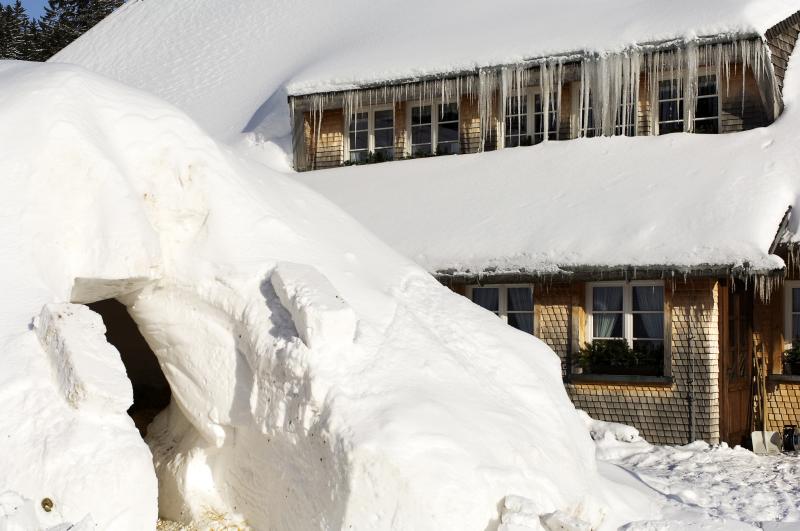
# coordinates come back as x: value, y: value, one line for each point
x: 690, y: 85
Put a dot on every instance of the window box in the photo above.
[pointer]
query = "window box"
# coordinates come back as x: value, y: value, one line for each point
x: 626, y: 325
x: 614, y: 356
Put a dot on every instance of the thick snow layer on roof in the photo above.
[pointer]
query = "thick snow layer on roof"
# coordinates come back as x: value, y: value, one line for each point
x: 680, y: 200
x: 220, y: 65
x: 319, y: 379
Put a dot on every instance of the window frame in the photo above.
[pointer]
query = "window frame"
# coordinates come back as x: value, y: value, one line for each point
x: 789, y: 285
x: 665, y: 76
x: 370, y: 110
x: 530, y: 115
x: 619, y: 130
x: 410, y: 105
x: 627, y: 314
x: 502, y: 302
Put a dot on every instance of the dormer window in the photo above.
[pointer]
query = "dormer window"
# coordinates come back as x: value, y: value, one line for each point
x: 671, y: 101
x: 434, y: 130
x: 371, y: 135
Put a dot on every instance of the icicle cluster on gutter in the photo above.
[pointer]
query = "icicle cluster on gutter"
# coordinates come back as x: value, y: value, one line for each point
x: 610, y: 84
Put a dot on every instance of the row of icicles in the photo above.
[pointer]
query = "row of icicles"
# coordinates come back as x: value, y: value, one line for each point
x: 609, y: 85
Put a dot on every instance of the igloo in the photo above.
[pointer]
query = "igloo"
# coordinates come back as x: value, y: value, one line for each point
x: 318, y: 380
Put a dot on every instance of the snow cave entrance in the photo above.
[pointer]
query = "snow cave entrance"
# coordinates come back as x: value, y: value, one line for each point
x: 151, y: 391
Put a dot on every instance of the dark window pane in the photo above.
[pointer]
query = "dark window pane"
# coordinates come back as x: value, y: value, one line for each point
x: 795, y: 327
x: 668, y: 89
x: 607, y: 298
x: 359, y: 140
x: 796, y: 299
x: 448, y: 112
x: 512, y: 126
x: 520, y: 300
x: 384, y: 138
x: 672, y: 127
x: 448, y: 132
x: 706, y: 127
x: 422, y: 150
x: 421, y: 115
x: 648, y: 326
x: 706, y: 86
x: 384, y: 119
x: 384, y: 154
x: 670, y: 110
x: 648, y: 299
x: 521, y: 321
x: 512, y: 141
x: 607, y: 325
x: 447, y: 148
x: 359, y: 122
x: 488, y: 298
x: 707, y: 107
x: 421, y: 134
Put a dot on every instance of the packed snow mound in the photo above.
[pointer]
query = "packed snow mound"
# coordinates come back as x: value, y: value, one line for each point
x: 231, y: 69
x: 319, y: 379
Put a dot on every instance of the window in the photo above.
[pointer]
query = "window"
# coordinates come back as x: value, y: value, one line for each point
x: 792, y: 331
x: 626, y: 127
x: 359, y: 137
x: 516, y: 131
x: 513, y: 304
x: 539, y: 118
x: 434, y: 126
x: 371, y: 135
x: 706, y: 119
x: 626, y: 314
x: 670, y: 106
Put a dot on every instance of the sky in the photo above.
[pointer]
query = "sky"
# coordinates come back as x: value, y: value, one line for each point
x: 34, y: 7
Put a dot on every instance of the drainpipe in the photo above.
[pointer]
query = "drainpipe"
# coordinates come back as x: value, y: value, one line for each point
x: 690, y: 381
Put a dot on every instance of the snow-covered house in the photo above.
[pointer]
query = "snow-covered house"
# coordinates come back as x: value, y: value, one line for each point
x: 719, y: 83
x: 677, y: 246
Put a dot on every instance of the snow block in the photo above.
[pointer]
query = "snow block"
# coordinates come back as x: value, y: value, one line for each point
x: 89, y: 370
x: 321, y: 316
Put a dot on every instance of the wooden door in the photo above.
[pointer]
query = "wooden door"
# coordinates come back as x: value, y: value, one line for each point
x: 736, y: 362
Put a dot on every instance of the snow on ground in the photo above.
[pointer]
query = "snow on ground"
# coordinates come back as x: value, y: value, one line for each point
x: 703, y: 486
x: 319, y: 379
x: 221, y: 68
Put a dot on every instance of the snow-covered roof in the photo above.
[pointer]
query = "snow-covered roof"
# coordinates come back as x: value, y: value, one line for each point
x: 221, y: 68
x: 676, y: 202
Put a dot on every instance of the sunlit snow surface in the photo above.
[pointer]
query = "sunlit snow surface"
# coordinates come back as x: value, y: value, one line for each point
x: 707, y: 486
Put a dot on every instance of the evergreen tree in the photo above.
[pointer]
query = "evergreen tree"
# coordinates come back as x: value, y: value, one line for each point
x: 63, y: 21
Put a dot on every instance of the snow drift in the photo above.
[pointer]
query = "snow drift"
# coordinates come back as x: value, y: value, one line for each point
x: 319, y: 380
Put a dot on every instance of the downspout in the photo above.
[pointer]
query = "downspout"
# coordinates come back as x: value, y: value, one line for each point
x: 690, y: 381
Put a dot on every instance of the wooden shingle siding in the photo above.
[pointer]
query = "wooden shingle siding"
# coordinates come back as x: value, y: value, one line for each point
x: 400, y: 130
x: 741, y: 106
x: 329, y: 152
x: 470, y: 118
x: 781, y: 40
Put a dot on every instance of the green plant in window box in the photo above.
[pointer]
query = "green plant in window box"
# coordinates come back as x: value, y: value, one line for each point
x: 616, y: 357
x: 372, y: 158
x: 791, y: 359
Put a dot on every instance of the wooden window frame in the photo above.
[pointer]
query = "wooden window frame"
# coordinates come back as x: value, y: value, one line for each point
x: 789, y: 285
x: 502, y: 303
x: 410, y: 105
x: 701, y: 72
x: 577, y: 112
x: 370, y: 110
x: 627, y: 314
x: 531, y: 93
